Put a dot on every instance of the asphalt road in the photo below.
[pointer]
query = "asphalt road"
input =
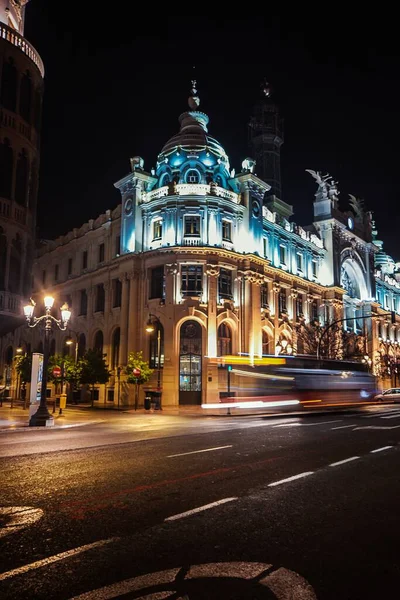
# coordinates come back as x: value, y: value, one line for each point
x: 171, y: 507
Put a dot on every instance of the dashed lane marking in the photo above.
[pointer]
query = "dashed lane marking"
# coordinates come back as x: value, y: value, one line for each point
x: 57, y: 557
x: 293, y: 478
x: 396, y: 416
x: 377, y: 427
x: 343, y: 427
x: 188, y: 513
x: 307, y: 424
x: 342, y: 462
x: 381, y: 449
x: 199, y: 451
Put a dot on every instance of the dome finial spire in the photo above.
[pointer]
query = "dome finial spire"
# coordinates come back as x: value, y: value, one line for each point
x: 193, y: 100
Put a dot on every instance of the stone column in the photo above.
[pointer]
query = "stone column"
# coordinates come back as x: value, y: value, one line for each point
x: 276, y: 288
x: 258, y: 280
x: 170, y: 372
x: 133, y: 312
x: 124, y: 321
x: 212, y: 272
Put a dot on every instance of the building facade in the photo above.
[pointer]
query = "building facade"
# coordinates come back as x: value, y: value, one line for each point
x: 215, y: 259
x: 21, y: 93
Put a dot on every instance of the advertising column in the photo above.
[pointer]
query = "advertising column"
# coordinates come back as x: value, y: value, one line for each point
x: 36, y: 382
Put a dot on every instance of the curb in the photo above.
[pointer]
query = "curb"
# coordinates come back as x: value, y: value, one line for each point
x: 11, y: 429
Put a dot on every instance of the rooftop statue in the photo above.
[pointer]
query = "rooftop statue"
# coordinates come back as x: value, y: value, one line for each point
x: 322, y: 181
x: 358, y: 206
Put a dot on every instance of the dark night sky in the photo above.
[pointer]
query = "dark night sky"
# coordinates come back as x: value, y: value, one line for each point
x: 117, y: 81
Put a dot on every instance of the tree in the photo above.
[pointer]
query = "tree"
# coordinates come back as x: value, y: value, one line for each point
x: 94, y: 369
x: 136, y: 362
x: 72, y: 371
x: 335, y: 343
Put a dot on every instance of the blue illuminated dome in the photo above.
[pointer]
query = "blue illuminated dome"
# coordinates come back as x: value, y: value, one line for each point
x: 192, y: 155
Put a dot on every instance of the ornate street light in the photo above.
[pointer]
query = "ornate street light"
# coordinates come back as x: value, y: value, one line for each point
x: 42, y: 414
x: 150, y: 328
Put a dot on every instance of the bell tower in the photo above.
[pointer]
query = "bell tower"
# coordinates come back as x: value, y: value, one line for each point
x: 21, y: 92
x: 266, y: 139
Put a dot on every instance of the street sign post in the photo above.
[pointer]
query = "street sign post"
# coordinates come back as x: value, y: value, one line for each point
x: 56, y: 371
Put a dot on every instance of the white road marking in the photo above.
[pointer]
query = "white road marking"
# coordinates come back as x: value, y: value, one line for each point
x: 342, y: 462
x: 377, y: 427
x: 198, y: 451
x: 396, y: 416
x: 307, y: 424
x: 18, y: 518
x: 342, y: 427
x: 381, y: 449
x: 299, y: 476
x: 199, y: 509
x: 57, y: 557
x: 284, y: 584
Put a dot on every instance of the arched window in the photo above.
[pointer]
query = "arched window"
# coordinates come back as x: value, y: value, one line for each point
x: 98, y: 341
x: 9, y: 85
x: 25, y: 97
x: 37, y: 117
x: 224, y: 340
x: 115, y: 348
x: 3, y: 258
x: 190, y: 363
x: 52, y: 350
x: 192, y: 176
x: 21, y: 182
x: 81, y: 345
x: 6, y: 169
x: 266, y: 343
x: 15, y: 265
x: 153, y: 362
x: 8, y: 356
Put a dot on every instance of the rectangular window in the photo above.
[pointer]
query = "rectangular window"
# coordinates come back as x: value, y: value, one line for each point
x: 117, y: 292
x: 44, y: 277
x: 69, y: 266
x: 56, y: 272
x: 264, y: 295
x: 282, y: 302
x: 225, y: 283
x: 157, y: 230
x: 101, y: 253
x: 265, y: 246
x: 157, y: 282
x: 84, y: 259
x: 282, y: 255
x: 299, y: 306
x: 118, y: 245
x: 100, y: 298
x: 314, y: 268
x: 314, y: 311
x: 227, y: 231
x: 299, y: 259
x: 83, y: 303
x: 191, y: 280
x: 192, y: 225
x: 68, y: 300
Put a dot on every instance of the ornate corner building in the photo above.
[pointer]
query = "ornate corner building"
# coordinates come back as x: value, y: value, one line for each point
x: 21, y: 92
x: 215, y: 256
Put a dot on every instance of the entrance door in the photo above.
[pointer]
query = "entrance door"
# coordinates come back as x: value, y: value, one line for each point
x: 190, y: 362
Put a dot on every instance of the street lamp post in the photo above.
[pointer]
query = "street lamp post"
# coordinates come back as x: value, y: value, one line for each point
x: 150, y: 329
x: 42, y: 414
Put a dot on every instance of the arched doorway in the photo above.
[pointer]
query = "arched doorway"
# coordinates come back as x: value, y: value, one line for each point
x: 190, y: 363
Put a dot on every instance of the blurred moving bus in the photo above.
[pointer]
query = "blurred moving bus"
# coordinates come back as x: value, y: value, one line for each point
x: 292, y: 383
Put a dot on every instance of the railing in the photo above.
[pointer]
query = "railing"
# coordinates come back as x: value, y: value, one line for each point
x: 10, y: 303
x: 12, y: 36
x: 189, y: 241
x: 192, y: 189
x: 5, y: 208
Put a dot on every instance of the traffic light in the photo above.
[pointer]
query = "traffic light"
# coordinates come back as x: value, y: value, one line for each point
x: 393, y: 313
